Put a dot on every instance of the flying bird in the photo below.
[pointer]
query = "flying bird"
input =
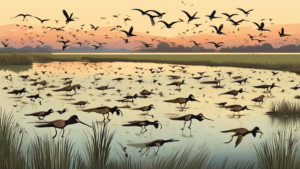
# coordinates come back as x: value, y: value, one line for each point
x: 229, y: 16
x: 281, y: 34
x: 261, y: 27
x: 216, y: 44
x: 169, y: 25
x: 129, y: 33
x: 212, y: 15
x: 42, y: 20
x: 190, y: 17
x: 245, y: 12
x: 24, y: 16
x: 68, y: 19
x: 218, y: 30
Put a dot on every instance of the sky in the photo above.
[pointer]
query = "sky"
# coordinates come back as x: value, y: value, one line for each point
x: 91, y: 11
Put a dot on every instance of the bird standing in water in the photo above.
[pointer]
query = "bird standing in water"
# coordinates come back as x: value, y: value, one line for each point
x: 61, y: 124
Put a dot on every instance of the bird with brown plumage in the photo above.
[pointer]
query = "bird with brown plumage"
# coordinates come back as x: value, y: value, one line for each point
x: 259, y: 99
x: 182, y: 100
x: 143, y: 124
x: 61, y: 124
x: 155, y: 143
x: 189, y: 117
x: 145, y: 109
x: 234, y: 92
x: 81, y: 103
x: 241, y: 133
x: 146, y: 92
x: 41, y: 114
x: 105, y: 110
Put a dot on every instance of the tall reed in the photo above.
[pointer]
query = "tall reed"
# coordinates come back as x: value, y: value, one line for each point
x: 12, y: 137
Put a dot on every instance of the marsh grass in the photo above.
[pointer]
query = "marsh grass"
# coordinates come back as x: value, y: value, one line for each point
x: 284, y: 107
x: 12, y: 137
x: 98, y: 146
x: 15, y: 59
x: 284, y: 113
x: 46, y: 153
x: 279, y: 151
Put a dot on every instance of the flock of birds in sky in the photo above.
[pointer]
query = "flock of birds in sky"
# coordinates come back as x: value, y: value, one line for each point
x: 152, y: 14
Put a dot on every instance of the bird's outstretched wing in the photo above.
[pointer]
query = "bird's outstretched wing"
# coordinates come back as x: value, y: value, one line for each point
x: 130, y: 30
x: 241, y: 10
x: 220, y: 27
x: 187, y: 13
x: 173, y: 23
x: 212, y: 43
x: 256, y: 24
x: 250, y: 10
x: 164, y: 23
x: 213, y: 13
x: 226, y: 14
x: 138, y: 10
x: 214, y: 27
x: 3, y: 43
x: 238, y: 140
x: 66, y: 14
x: 153, y: 11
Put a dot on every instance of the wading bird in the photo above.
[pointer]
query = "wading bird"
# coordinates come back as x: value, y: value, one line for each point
x: 189, y: 117
x: 157, y: 143
x: 41, y: 114
x: 105, y: 110
x: 61, y: 124
x: 241, y: 133
x: 182, y: 100
x: 143, y: 124
x: 234, y: 92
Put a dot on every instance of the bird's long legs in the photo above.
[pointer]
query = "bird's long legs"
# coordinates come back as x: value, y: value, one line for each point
x: 157, y: 150
x: 63, y: 133
x: 230, y: 140
x: 103, y: 118
x: 145, y: 151
x: 108, y: 117
x: 142, y: 129
x: 190, y: 124
x: 183, y: 126
x: 55, y: 133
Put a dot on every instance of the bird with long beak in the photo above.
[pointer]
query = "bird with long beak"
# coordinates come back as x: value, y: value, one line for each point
x: 61, y: 124
x: 238, y: 109
x: 157, y: 143
x: 241, y: 133
x: 143, y: 124
x: 189, y: 117
x: 182, y: 100
x: 234, y: 92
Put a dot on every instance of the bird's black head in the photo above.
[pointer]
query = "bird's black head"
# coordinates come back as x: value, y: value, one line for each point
x: 156, y: 124
x: 254, y: 131
x: 50, y: 111
x: 135, y: 96
x: 74, y: 119
x: 191, y: 98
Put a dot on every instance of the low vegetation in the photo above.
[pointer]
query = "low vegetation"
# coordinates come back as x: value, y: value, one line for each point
x: 281, y: 150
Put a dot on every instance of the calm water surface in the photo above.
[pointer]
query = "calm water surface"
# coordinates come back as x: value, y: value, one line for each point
x: 205, y: 132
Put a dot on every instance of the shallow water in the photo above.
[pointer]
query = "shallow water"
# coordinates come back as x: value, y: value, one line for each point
x: 204, y: 132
